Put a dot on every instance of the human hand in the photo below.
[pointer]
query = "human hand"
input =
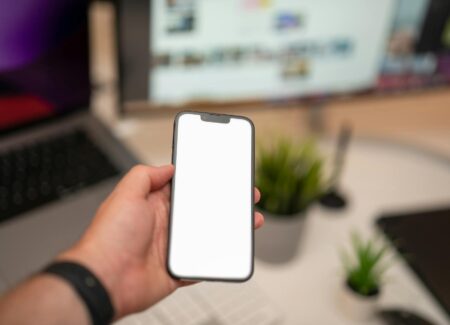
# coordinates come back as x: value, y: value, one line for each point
x: 126, y: 244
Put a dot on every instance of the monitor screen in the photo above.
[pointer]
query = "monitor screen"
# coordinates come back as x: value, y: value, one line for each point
x: 234, y: 50
x: 183, y: 51
x: 44, y: 64
x: 251, y: 49
x: 418, y: 54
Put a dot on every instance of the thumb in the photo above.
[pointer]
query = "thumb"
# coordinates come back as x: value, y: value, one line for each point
x: 141, y: 179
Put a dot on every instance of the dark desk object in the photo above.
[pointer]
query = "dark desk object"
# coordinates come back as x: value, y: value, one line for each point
x: 423, y: 239
x: 402, y: 317
x: 333, y: 198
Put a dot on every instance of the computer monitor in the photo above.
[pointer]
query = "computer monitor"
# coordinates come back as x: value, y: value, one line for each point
x: 44, y: 62
x: 175, y: 52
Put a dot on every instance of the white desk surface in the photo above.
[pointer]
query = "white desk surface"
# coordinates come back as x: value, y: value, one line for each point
x: 379, y: 177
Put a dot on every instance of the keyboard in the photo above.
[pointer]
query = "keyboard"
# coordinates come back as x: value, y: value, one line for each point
x: 40, y: 172
x: 211, y: 304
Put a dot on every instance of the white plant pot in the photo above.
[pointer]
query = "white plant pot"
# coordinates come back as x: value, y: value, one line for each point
x: 357, y: 307
x: 278, y: 241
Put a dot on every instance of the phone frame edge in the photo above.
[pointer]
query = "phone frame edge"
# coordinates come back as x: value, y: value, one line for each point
x: 172, y: 189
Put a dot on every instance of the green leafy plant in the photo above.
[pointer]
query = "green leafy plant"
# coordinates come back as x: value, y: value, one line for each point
x: 363, y: 267
x: 289, y: 176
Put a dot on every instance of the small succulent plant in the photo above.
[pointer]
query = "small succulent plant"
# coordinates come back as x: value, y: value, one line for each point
x: 363, y: 266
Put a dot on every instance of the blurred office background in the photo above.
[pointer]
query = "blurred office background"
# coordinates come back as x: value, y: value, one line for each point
x: 350, y: 100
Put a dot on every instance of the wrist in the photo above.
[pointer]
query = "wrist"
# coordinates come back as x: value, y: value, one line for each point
x: 106, y: 272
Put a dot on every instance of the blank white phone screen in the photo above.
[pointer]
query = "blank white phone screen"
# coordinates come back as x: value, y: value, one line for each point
x: 211, y: 219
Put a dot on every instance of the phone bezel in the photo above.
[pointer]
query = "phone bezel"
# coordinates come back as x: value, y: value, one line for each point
x: 204, y: 116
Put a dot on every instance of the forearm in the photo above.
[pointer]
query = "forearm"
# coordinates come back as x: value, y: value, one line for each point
x: 43, y: 299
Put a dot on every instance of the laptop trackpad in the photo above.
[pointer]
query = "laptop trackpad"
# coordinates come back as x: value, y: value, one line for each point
x: 29, y: 242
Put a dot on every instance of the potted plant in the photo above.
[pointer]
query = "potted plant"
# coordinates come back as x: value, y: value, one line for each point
x: 289, y: 176
x: 363, y: 270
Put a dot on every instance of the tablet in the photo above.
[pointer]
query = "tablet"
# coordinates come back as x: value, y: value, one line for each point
x: 423, y: 239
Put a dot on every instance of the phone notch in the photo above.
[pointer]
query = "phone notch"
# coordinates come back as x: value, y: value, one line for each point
x: 215, y: 118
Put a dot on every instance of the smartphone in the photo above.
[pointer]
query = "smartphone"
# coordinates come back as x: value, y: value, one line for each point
x: 211, y: 217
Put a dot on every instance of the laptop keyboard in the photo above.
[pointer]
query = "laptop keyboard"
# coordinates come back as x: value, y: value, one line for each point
x: 44, y: 171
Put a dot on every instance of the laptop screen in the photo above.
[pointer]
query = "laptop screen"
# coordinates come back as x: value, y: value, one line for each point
x: 44, y: 63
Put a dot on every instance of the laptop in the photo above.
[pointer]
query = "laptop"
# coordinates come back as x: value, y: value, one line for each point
x: 57, y: 161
